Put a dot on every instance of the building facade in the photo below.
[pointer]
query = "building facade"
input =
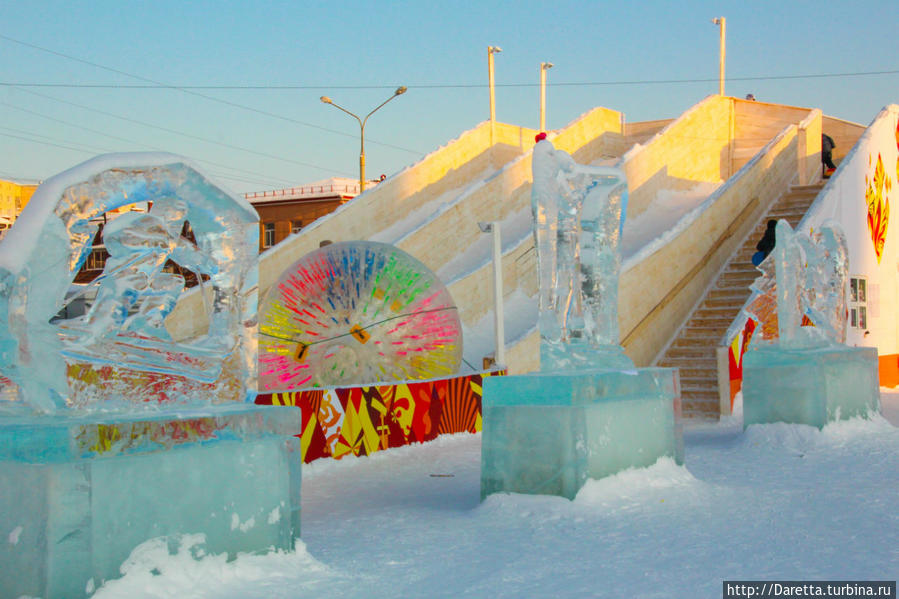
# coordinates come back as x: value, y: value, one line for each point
x: 13, y: 197
x: 283, y: 212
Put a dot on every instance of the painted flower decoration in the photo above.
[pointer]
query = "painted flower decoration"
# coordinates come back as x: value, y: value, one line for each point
x: 876, y: 197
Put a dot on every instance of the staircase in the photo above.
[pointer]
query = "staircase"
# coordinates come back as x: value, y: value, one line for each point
x: 694, y: 349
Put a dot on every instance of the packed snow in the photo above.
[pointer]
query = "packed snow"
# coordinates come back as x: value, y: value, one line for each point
x: 778, y: 501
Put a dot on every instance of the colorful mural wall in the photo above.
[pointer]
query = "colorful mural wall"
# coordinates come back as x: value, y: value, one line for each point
x: 363, y: 420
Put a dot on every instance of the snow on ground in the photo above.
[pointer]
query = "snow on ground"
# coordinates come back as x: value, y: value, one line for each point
x: 432, y: 210
x: 514, y: 229
x: 776, y: 502
x: 669, y: 213
x: 520, y: 318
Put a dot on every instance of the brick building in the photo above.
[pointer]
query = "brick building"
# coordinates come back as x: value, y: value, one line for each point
x: 286, y: 211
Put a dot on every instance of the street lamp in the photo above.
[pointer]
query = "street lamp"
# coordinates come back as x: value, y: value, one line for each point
x: 399, y: 91
x: 499, y: 356
x: 491, y: 50
x: 544, y: 66
x: 722, y: 24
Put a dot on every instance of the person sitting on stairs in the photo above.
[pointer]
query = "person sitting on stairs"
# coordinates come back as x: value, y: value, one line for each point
x: 765, y: 244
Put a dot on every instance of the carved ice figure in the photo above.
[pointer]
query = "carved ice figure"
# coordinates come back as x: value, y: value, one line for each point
x: 139, y: 245
x: 809, y: 282
x: 578, y: 217
x: 56, y: 362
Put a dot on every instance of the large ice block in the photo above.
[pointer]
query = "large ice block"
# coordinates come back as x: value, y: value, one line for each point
x: 548, y: 433
x: 809, y: 386
x: 79, y: 492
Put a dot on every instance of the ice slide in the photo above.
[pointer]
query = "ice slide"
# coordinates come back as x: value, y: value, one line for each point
x: 676, y: 171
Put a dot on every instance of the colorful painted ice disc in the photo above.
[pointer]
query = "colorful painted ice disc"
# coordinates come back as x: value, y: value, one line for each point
x: 356, y: 312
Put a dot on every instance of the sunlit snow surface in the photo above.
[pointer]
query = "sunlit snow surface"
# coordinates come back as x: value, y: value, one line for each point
x: 778, y: 502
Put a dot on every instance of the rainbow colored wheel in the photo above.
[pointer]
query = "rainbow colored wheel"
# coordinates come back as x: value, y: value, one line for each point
x: 356, y: 312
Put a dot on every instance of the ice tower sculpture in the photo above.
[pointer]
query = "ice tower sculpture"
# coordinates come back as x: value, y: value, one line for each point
x: 578, y: 220
x: 111, y: 431
x: 800, y: 371
x: 589, y: 412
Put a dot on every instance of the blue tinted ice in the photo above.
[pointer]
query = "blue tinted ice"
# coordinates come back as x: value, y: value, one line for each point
x: 578, y: 217
x: 807, y: 275
x: 182, y: 224
x: 589, y: 413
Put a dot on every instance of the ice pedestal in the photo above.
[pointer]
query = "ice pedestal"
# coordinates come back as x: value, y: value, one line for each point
x: 547, y: 433
x: 80, y: 491
x: 809, y: 386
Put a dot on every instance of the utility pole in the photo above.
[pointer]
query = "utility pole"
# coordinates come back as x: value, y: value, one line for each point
x: 721, y: 22
x: 491, y: 50
x: 544, y: 66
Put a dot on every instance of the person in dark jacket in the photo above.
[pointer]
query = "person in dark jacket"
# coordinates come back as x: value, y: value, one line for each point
x: 827, y: 146
x: 765, y: 244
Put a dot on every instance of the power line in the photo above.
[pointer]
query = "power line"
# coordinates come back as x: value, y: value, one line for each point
x: 167, y: 130
x: 48, y: 143
x: 204, y: 96
x: 161, y: 128
x: 258, y: 178
x: 273, y: 87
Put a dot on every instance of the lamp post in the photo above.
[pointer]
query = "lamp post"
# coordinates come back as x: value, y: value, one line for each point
x: 399, y: 91
x: 499, y: 356
x: 544, y: 66
x: 491, y: 50
x: 721, y: 22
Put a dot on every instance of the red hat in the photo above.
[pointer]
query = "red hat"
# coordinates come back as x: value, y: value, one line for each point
x: 540, y: 136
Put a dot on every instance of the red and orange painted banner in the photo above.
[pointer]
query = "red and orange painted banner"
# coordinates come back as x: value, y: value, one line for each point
x: 363, y: 420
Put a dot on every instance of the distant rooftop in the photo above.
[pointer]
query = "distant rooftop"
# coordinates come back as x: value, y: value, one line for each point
x: 335, y: 186
x: 22, y: 182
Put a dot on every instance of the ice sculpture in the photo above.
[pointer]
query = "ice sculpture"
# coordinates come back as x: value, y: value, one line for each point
x: 798, y: 370
x: 589, y: 413
x: 357, y: 312
x: 120, y: 347
x: 578, y: 215
x: 806, y: 275
x: 117, y: 433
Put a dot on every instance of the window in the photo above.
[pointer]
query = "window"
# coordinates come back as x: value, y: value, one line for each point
x: 96, y: 260
x: 296, y: 226
x: 858, y: 303
x: 268, y: 235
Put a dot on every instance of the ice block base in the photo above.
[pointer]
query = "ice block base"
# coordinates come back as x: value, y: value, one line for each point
x: 547, y: 433
x: 78, y: 494
x: 809, y: 386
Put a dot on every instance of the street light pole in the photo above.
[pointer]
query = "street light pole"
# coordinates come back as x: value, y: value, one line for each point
x: 722, y: 25
x: 491, y: 50
x: 544, y: 66
x: 399, y: 91
x: 499, y: 334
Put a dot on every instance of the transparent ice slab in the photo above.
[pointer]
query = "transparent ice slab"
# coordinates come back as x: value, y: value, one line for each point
x: 79, y: 495
x: 548, y: 433
x: 809, y: 386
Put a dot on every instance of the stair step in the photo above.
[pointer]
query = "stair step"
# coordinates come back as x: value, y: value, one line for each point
x: 717, y: 311
x: 725, y: 306
x: 814, y: 187
x: 707, y: 390
x: 704, y: 334
x: 688, y: 373
x: 728, y: 293
x: 690, y: 352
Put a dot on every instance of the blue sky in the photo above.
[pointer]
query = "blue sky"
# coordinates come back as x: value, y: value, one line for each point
x: 359, y: 52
